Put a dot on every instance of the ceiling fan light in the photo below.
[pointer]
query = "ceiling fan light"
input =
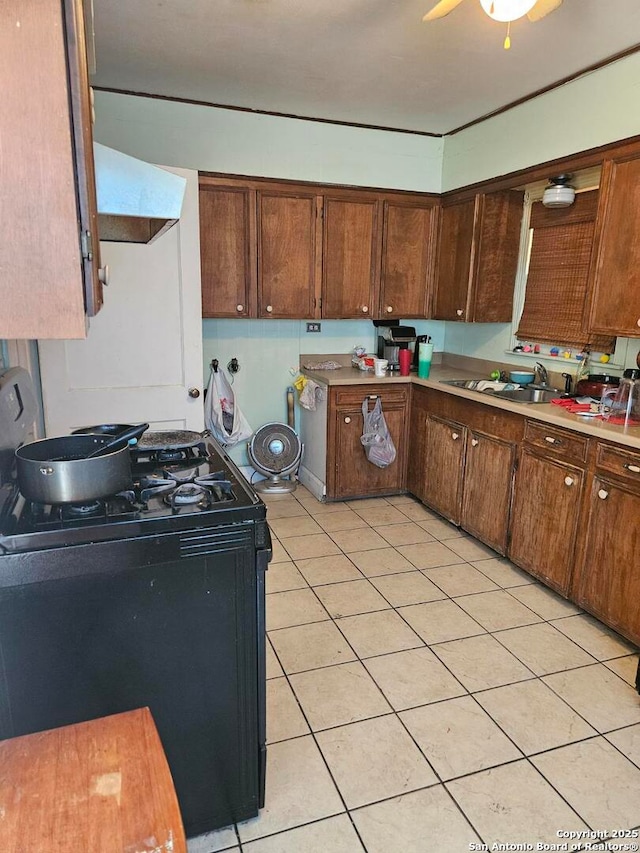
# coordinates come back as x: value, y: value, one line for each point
x: 507, y: 10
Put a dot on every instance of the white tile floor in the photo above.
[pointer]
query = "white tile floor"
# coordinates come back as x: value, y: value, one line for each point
x: 425, y: 695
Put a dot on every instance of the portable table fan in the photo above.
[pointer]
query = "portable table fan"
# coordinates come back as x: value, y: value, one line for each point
x: 275, y: 451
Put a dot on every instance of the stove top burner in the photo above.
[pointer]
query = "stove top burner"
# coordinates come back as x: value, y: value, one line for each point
x: 190, y: 488
x: 82, y: 510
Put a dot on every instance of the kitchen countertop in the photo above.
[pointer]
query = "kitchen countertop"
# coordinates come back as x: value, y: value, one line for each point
x: 545, y: 412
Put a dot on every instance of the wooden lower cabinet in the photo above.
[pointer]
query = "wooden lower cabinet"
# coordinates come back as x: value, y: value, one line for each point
x: 349, y: 472
x: 608, y: 582
x: 444, y: 466
x: 488, y: 476
x: 544, y: 518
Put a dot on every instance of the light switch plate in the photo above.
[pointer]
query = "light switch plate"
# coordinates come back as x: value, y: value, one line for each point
x: 314, y: 327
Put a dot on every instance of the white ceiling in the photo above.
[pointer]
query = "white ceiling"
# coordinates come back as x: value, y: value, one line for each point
x: 363, y: 61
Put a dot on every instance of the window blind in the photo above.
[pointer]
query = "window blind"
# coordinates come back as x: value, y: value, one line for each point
x: 556, y: 296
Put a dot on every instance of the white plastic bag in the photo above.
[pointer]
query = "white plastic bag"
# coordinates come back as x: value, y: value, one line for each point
x: 376, y: 438
x: 222, y: 415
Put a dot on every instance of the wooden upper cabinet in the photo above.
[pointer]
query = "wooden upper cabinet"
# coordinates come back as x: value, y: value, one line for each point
x: 478, y: 247
x: 289, y: 255
x: 227, y: 251
x: 46, y: 173
x: 408, y: 244
x: 455, y: 245
x: 351, y: 257
x: 615, y: 275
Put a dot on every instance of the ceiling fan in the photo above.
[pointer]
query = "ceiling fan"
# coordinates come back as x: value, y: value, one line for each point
x: 500, y: 10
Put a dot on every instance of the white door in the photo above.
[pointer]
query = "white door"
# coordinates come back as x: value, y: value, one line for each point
x: 144, y: 349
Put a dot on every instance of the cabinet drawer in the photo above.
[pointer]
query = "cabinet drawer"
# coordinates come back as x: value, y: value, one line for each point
x: 622, y: 463
x: 567, y: 444
x: 353, y: 395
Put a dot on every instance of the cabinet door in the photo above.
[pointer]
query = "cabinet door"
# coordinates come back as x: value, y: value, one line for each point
x: 444, y: 467
x: 609, y: 580
x: 453, y: 276
x: 496, y: 257
x: 407, y: 259
x: 615, y: 306
x: 487, y: 489
x: 41, y: 279
x: 416, y: 464
x: 544, y: 518
x: 227, y: 251
x: 351, y: 257
x: 354, y: 475
x: 289, y: 257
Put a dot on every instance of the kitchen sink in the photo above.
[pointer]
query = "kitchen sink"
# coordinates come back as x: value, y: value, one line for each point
x: 529, y: 395
x: 471, y: 384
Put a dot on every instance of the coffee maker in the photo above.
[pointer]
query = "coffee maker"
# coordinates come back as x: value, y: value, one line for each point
x: 392, y: 337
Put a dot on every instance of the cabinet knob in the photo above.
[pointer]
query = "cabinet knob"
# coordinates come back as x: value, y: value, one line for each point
x: 194, y: 392
x: 551, y: 440
x: 347, y: 420
x: 568, y: 481
x: 365, y: 309
x: 389, y: 309
x: 459, y: 312
x: 103, y: 275
x: 239, y: 308
x: 474, y: 442
x: 635, y: 469
x: 269, y: 309
x: 638, y: 322
x: 603, y: 494
x: 455, y: 436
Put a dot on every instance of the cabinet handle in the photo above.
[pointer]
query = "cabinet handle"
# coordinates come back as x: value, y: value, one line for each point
x: 459, y: 312
x: 568, y: 481
x: 603, y: 494
x: 635, y: 469
x: 365, y: 309
x: 455, y: 436
x: 474, y: 442
x: 239, y: 308
x: 347, y: 420
x: 389, y: 309
x: 551, y: 440
x: 103, y: 275
x: 269, y: 309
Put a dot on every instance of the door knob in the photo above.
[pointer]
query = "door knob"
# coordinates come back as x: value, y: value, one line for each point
x: 194, y: 392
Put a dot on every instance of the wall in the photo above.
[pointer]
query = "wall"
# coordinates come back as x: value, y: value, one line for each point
x: 218, y: 140
x: 591, y: 111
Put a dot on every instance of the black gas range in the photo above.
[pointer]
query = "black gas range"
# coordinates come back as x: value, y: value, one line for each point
x: 151, y: 597
x: 182, y: 488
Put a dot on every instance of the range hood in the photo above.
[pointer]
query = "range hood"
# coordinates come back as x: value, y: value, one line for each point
x: 136, y: 201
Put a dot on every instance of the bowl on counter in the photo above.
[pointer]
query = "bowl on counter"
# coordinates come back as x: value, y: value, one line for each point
x: 522, y: 377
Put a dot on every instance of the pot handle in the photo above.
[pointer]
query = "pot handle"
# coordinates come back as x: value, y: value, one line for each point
x: 127, y: 435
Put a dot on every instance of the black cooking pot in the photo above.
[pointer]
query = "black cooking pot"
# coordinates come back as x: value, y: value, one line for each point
x: 57, y: 470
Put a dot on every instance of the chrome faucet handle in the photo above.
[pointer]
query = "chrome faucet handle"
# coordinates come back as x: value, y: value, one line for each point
x: 543, y: 373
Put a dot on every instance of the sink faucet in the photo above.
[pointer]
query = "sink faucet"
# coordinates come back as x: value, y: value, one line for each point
x: 541, y: 370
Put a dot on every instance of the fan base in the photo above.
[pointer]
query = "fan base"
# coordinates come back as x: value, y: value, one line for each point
x: 275, y: 486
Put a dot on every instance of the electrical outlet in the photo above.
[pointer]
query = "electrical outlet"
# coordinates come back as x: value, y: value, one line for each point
x: 314, y: 327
